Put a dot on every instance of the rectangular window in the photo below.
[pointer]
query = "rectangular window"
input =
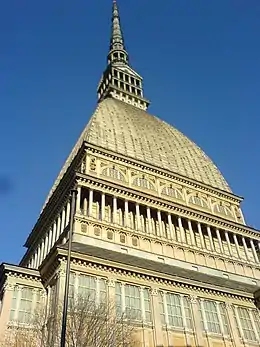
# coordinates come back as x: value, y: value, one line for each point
x: 175, y: 310
x: 87, y: 287
x: 214, y: 317
x: 24, y: 302
x: 133, y: 301
x: 246, y: 323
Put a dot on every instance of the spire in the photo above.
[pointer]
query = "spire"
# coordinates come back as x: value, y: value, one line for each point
x: 119, y: 80
x: 117, y: 39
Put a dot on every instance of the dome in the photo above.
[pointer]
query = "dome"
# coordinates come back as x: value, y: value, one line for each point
x: 132, y: 132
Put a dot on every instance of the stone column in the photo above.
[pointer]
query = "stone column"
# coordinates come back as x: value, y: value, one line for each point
x: 254, y: 251
x: 228, y: 243
x: 232, y: 326
x: 187, y: 336
x: 50, y: 239
x: 68, y: 213
x: 158, y: 334
x: 90, y: 202
x: 159, y: 218
x: 205, y: 321
x: 196, y: 321
x: 78, y: 200
x: 54, y: 233
x: 137, y: 211
x: 201, y: 236
x: 126, y: 219
x: 114, y: 210
x: 148, y: 212
x: 58, y: 228
x: 245, y: 248
x: 220, y: 241
x: 170, y: 226
x: 210, y: 239
x: 85, y: 206
x: 237, y: 245
x: 183, y: 239
x: 6, y: 307
x: 103, y: 205
x: 63, y: 220
x: 193, y: 240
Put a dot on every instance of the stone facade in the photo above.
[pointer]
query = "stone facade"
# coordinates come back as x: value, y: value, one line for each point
x: 157, y: 221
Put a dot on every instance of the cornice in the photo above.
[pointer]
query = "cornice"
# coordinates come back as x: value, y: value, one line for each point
x: 129, y: 271
x: 159, y: 171
x: 172, y: 207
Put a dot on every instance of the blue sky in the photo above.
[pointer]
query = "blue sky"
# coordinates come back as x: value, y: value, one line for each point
x: 200, y: 63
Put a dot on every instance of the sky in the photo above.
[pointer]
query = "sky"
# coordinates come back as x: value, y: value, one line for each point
x: 200, y: 64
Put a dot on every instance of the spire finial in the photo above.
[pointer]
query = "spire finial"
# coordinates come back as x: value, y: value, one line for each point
x: 120, y: 80
x: 117, y: 40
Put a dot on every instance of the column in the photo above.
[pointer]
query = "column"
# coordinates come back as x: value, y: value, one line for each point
x: 85, y: 207
x: 50, y: 239
x: 58, y: 228
x: 90, y: 202
x: 193, y: 241
x: 220, y: 241
x: 126, y: 219
x: 114, y: 210
x: 63, y: 217
x: 237, y: 245
x: 78, y: 200
x: 228, y: 243
x: 239, y: 323
x: 210, y: 239
x: 201, y: 236
x: 103, y: 206
x: 6, y: 307
x: 159, y: 218
x: 137, y: 211
x: 254, y: 251
x: 35, y: 259
x: 232, y: 326
x: 220, y: 318
x: 158, y: 335
x: 245, y: 248
x: 254, y: 326
x: 54, y: 233
x: 205, y: 321
x: 145, y: 335
x: 187, y: 336
x: 148, y: 213
x: 68, y: 213
x: 111, y: 284
x: 196, y: 321
x: 170, y: 226
x: 183, y: 239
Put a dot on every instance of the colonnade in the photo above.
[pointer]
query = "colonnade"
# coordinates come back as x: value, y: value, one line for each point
x: 148, y: 220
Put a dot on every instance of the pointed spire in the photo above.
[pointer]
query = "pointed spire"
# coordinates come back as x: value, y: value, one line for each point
x: 120, y: 80
x: 117, y: 39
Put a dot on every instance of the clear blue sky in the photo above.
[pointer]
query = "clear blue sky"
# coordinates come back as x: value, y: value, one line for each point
x: 200, y: 63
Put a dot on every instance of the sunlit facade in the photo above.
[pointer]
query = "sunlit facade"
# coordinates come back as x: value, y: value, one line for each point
x: 157, y: 229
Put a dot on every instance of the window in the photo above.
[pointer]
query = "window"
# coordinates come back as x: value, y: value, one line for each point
x: 195, y: 200
x: 172, y: 192
x: 113, y: 173
x: 175, y: 310
x: 25, y: 300
x: 214, y: 317
x: 143, y: 183
x: 133, y: 301
x: 88, y: 287
x: 223, y: 210
x: 246, y: 323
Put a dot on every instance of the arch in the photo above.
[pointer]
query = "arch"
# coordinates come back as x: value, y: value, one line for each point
x: 172, y: 192
x: 198, y: 201
x: 223, y: 209
x: 113, y: 173
x: 142, y: 182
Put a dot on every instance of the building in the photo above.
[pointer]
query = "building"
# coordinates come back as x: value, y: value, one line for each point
x: 155, y: 222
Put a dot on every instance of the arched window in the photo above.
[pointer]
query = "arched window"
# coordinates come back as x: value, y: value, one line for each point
x: 172, y: 192
x: 222, y: 209
x: 112, y: 172
x: 196, y: 200
x: 143, y: 183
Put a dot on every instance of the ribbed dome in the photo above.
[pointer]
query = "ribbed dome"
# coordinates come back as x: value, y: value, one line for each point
x: 132, y: 132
